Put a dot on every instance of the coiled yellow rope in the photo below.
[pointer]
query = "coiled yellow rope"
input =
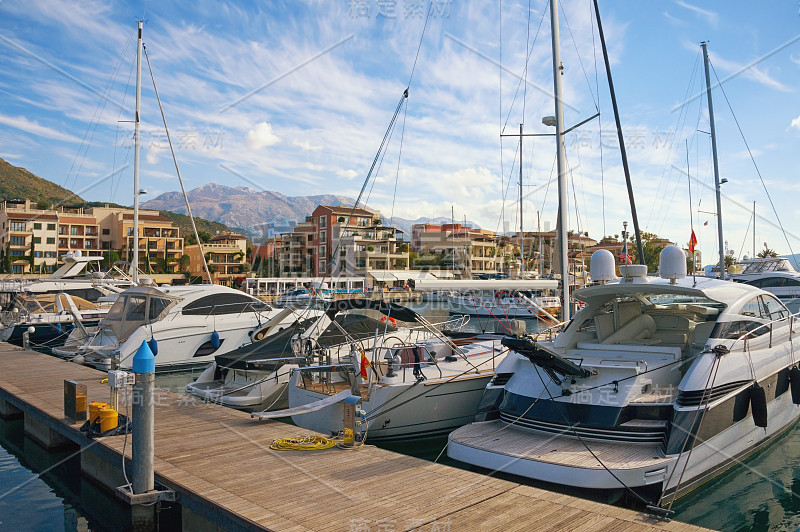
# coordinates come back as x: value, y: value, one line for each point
x: 303, y: 443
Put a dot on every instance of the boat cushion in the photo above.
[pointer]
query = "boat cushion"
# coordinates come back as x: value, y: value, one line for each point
x: 639, y: 327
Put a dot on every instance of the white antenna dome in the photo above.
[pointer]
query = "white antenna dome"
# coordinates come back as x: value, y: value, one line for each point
x: 601, y: 268
x: 672, y: 263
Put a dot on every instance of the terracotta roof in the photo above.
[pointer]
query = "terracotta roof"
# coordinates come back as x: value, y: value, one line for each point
x: 77, y: 220
x: 30, y: 216
x: 345, y: 210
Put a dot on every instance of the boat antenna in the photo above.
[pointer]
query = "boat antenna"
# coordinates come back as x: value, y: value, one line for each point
x: 623, y: 153
x: 178, y: 171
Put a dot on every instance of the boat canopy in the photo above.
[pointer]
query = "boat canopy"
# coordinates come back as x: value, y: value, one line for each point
x: 278, y: 346
x: 393, y: 310
x: 486, y: 284
x: 136, y: 307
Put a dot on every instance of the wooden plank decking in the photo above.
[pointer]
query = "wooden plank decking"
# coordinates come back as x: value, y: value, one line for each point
x: 219, y: 460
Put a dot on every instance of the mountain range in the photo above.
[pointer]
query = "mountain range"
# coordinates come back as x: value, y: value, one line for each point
x: 246, y: 209
x: 241, y: 208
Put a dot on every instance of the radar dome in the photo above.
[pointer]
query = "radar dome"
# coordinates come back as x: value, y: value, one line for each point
x: 672, y: 263
x: 602, y: 266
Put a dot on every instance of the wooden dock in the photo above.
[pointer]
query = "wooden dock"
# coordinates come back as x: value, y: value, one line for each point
x: 226, y: 477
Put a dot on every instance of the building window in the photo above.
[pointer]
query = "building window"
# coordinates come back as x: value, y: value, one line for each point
x: 323, y: 221
x: 17, y: 241
x: 51, y: 240
x: 106, y: 231
x: 17, y: 226
x: 37, y: 254
x: 88, y: 244
x: 73, y: 230
x: 62, y: 230
x: 37, y: 240
x: 322, y: 237
x: 51, y: 227
x: 321, y: 266
x: 49, y: 254
x: 37, y: 226
x: 73, y: 243
x: 16, y: 253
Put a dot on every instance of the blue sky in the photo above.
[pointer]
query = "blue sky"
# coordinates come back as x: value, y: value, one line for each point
x: 295, y: 97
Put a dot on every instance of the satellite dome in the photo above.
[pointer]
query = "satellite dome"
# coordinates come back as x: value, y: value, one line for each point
x: 672, y: 263
x: 602, y: 268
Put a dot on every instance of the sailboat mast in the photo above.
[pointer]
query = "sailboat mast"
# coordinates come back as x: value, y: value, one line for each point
x: 561, y: 164
x: 136, y: 146
x: 521, y: 232
x: 716, y: 165
x: 754, y: 229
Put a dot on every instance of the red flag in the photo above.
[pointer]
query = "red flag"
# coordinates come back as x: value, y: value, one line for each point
x: 705, y: 224
x: 364, y: 365
x: 692, y: 242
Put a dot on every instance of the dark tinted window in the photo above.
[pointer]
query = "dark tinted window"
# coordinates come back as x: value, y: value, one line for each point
x: 774, y: 309
x: 737, y: 329
x: 791, y: 282
x: 223, y: 304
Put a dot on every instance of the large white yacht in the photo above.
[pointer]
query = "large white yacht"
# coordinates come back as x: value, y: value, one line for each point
x: 412, y: 380
x: 190, y: 325
x: 657, y: 385
x: 775, y: 275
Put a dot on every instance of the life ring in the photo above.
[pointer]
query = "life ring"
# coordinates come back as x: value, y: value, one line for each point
x: 392, y: 321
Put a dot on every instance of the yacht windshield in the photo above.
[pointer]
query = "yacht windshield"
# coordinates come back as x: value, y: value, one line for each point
x: 132, y: 310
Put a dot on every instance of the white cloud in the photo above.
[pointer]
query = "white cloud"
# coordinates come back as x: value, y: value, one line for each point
x: 710, y: 16
x: 261, y: 136
x: 795, y: 123
x: 305, y: 145
x: 34, y: 127
x: 347, y: 174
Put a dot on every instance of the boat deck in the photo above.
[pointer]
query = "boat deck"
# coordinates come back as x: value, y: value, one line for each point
x: 219, y: 462
x: 528, y: 444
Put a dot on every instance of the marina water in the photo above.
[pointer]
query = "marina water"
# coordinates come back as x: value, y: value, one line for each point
x: 41, y: 490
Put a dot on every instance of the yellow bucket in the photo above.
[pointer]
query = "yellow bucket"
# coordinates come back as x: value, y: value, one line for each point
x: 80, y: 402
x: 109, y: 418
x: 94, y: 409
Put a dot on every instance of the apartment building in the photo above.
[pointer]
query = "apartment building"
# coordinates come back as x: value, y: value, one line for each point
x: 226, y: 255
x: 296, y: 251
x: 48, y: 234
x: 465, y: 250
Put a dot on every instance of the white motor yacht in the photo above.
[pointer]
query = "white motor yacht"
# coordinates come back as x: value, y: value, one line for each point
x: 255, y: 377
x: 657, y: 385
x: 190, y: 325
x: 48, y: 319
x: 775, y: 275
x: 409, y: 382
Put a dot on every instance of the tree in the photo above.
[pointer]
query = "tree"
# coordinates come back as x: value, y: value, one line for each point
x: 32, y: 256
x: 183, y: 262
x: 766, y: 252
x: 110, y: 257
x: 412, y: 257
x: 651, y: 246
x: 7, y: 259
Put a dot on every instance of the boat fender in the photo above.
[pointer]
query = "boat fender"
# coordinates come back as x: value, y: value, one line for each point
x: 758, y: 404
x: 392, y: 321
x: 794, y: 382
x: 71, y: 326
x: 152, y: 343
x: 58, y: 328
x: 215, y: 340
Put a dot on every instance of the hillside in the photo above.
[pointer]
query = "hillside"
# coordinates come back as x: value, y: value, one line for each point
x: 18, y: 183
x: 182, y: 221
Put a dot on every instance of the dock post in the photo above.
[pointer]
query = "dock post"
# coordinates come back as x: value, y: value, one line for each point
x: 144, y: 367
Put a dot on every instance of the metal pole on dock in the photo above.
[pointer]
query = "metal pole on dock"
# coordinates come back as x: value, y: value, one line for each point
x: 144, y: 367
